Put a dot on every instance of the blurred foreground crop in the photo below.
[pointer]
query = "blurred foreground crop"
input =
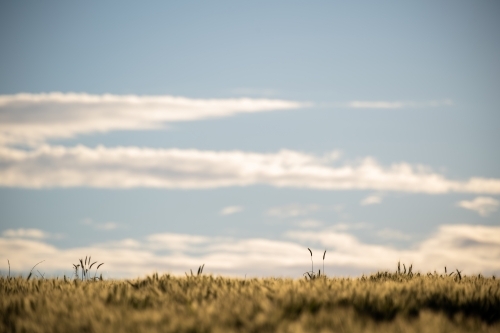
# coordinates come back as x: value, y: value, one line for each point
x: 384, y: 302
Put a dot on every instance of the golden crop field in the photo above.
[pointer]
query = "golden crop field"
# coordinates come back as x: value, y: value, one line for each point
x: 384, y: 302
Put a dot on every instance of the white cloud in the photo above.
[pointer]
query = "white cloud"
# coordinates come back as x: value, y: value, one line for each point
x: 472, y: 249
x: 307, y: 224
x: 393, y: 234
x: 396, y: 104
x: 128, y: 167
x: 343, y: 226
x: 101, y: 226
x: 373, y: 199
x: 338, y: 208
x: 484, y: 206
x: 25, y: 233
x: 107, y: 226
x: 34, y: 118
x: 175, y: 242
x: 231, y: 210
x: 292, y: 210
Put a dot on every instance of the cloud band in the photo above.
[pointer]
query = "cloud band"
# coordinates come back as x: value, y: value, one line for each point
x: 35, y: 118
x: 472, y: 249
x: 129, y: 167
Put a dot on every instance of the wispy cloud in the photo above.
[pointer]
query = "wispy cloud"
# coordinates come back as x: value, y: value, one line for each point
x: 373, y: 199
x: 393, y: 234
x: 231, y: 210
x: 484, y: 206
x: 397, y: 104
x: 101, y: 226
x: 34, y: 118
x: 292, y: 210
x: 128, y: 167
x: 307, y: 224
x: 107, y: 226
x: 25, y: 233
x: 472, y: 249
x: 343, y: 226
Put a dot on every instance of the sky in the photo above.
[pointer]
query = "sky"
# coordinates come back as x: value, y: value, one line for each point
x: 160, y: 136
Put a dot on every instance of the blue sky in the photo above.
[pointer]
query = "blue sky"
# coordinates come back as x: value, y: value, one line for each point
x: 167, y: 135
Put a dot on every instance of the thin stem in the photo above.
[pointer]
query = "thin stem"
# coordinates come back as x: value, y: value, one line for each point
x: 324, y: 254
x: 36, y: 265
x: 312, y: 265
x: 42, y: 275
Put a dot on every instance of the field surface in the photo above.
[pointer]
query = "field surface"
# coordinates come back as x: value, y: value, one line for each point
x: 384, y: 302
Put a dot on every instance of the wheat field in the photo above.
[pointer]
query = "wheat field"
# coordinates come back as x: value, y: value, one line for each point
x: 383, y: 302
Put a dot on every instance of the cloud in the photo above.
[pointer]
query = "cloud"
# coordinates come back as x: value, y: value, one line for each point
x: 107, y: 226
x: 393, y: 234
x: 231, y: 210
x: 349, y: 226
x: 373, y: 199
x: 129, y: 167
x: 484, y: 206
x: 292, y: 210
x: 25, y: 233
x: 472, y: 249
x: 307, y: 224
x: 101, y: 226
x: 35, y: 118
x: 396, y: 104
x: 175, y: 242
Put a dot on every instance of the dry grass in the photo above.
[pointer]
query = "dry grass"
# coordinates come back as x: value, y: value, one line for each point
x: 384, y: 302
